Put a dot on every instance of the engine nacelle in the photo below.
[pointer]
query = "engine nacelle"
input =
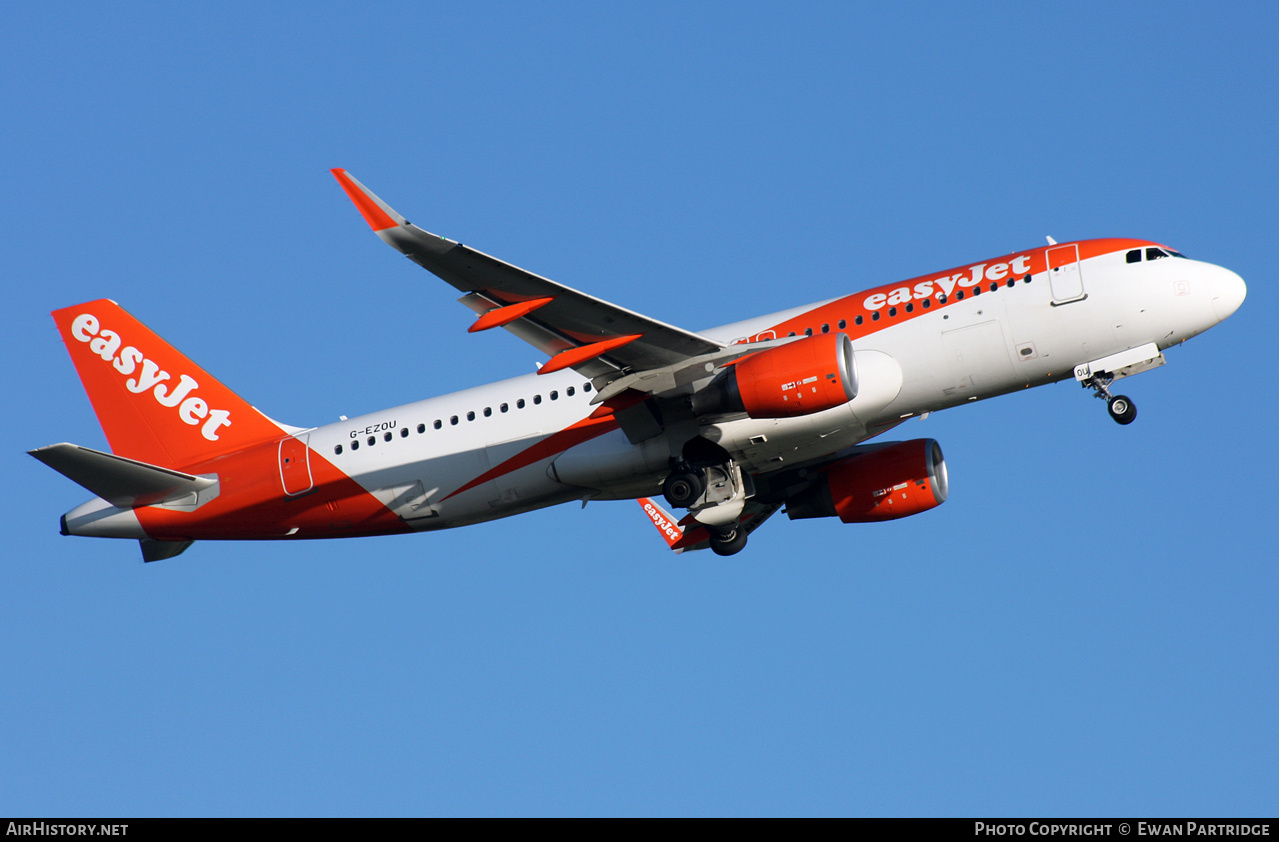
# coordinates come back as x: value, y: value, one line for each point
x: 806, y: 376
x: 892, y: 481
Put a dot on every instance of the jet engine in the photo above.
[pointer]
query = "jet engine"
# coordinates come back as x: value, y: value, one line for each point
x: 806, y: 376
x: 884, y: 483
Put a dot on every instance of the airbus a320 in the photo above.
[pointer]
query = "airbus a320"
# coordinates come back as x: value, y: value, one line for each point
x: 727, y: 425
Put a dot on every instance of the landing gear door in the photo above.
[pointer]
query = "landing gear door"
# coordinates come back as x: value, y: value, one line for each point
x: 295, y: 466
x: 1064, y: 276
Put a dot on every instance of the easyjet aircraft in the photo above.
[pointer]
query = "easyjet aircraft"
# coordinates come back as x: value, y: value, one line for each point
x: 730, y: 424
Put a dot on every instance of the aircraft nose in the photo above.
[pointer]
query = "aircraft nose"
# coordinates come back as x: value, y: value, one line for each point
x: 1228, y: 292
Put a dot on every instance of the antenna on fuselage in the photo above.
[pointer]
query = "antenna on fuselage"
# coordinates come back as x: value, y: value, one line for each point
x: 1051, y: 241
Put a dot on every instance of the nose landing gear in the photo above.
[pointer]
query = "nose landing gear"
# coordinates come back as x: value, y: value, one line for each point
x: 1121, y: 407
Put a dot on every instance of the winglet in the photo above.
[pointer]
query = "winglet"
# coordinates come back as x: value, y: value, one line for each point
x: 377, y: 213
x: 664, y: 523
x: 676, y: 537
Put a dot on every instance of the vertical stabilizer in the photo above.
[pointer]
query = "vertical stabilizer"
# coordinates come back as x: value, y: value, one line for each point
x: 153, y: 403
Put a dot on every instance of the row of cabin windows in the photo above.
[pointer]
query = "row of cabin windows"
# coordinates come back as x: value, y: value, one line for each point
x: 438, y: 424
x: 1152, y: 253
x: 910, y: 307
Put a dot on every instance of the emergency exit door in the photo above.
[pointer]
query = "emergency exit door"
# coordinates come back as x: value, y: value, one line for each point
x: 295, y: 466
x: 1064, y: 276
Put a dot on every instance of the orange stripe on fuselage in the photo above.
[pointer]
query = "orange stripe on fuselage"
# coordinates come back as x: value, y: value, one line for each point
x: 251, y: 503
x: 915, y: 291
x: 584, y: 430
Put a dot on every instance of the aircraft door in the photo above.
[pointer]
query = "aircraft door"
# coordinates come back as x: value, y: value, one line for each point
x: 1064, y: 275
x: 295, y: 466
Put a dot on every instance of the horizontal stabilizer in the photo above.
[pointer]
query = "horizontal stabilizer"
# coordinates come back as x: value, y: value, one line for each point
x: 125, y: 483
x: 160, y: 550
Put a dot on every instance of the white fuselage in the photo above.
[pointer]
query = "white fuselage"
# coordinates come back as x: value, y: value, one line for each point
x: 418, y: 455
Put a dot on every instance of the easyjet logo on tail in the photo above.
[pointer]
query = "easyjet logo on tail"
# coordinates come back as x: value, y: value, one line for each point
x: 145, y: 375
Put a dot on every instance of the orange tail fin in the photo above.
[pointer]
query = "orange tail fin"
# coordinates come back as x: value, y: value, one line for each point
x: 153, y: 403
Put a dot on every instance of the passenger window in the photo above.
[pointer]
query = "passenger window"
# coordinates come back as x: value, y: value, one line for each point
x: 355, y: 445
x: 338, y: 450
x: 372, y: 440
x: 470, y: 416
x: 569, y: 391
x: 826, y: 328
x: 959, y: 296
x: 537, y: 399
x: 843, y: 323
x: 808, y: 331
x: 438, y: 423
x: 874, y: 317
x: 453, y: 420
x: 555, y: 395
x: 892, y: 311
x: 519, y: 404
x: 386, y: 436
x: 488, y: 412
x: 926, y: 303
x: 586, y: 387
x: 910, y: 308
x: 404, y: 432
x: 503, y: 407
x: 421, y: 428
x: 857, y: 320
x: 1134, y: 256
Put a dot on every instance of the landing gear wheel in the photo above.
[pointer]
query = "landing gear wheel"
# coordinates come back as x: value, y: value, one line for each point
x: 682, y: 488
x: 729, y: 541
x: 1122, y: 409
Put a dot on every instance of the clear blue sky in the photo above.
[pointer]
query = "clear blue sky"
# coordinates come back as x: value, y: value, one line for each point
x: 1087, y: 626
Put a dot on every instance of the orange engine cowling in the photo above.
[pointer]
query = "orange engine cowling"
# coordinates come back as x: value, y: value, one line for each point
x: 889, y: 482
x: 806, y: 376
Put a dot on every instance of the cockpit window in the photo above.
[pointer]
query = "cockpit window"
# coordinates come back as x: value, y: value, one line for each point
x: 1155, y: 254
x: 1134, y: 256
x: 1175, y: 253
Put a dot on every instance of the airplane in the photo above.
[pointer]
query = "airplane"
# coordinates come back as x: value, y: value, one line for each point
x: 728, y: 425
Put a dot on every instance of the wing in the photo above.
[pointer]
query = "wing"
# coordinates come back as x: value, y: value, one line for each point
x: 579, y: 331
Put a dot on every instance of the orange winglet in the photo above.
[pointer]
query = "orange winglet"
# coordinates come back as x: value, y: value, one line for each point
x: 373, y: 214
x: 506, y: 315
x: 666, y: 527
x: 575, y: 356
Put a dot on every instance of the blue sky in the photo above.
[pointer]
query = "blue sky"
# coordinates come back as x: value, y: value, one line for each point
x: 1086, y: 627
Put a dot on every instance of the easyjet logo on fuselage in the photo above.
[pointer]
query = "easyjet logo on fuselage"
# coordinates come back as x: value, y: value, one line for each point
x: 944, y: 286
x: 191, y: 408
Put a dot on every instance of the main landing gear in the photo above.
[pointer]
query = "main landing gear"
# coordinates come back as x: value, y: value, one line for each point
x: 1121, y: 407
x: 716, y: 496
x: 729, y: 540
x: 682, y: 488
